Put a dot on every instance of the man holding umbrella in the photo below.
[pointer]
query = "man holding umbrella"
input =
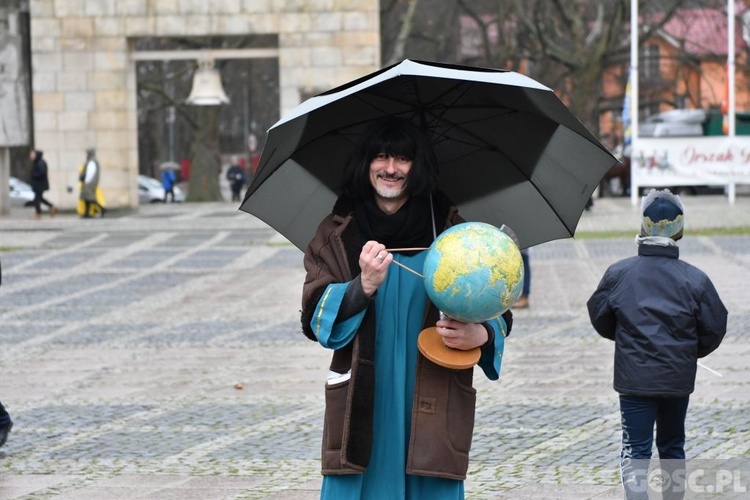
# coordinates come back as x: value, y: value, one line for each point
x: 396, y: 424
x: 509, y: 152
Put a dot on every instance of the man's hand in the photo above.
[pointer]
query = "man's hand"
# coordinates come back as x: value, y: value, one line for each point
x: 373, y: 261
x: 460, y: 335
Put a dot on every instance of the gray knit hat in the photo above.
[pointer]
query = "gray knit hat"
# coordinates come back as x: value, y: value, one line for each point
x: 663, y: 214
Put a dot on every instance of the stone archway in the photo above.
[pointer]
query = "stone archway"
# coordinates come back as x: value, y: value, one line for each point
x: 197, y: 137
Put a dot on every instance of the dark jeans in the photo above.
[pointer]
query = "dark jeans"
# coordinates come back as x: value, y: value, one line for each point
x: 38, y: 200
x: 236, y: 191
x: 168, y: 192
x: 639, y: 414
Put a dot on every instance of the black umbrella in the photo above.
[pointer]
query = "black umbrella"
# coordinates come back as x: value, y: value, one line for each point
x: 510, y: 152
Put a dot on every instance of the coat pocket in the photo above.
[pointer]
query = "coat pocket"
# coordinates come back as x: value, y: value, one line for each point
x: 461, y: 403
x: 442, y: 422
x: 335, y: 413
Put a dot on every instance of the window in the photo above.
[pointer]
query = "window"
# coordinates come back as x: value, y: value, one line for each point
x: 649, y: 64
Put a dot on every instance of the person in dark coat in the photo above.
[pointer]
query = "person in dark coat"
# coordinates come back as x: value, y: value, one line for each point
x: 237, y: 178
x: 40, y: 184
x: 663, y: 315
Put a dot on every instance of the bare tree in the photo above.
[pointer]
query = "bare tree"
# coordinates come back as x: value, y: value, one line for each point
x: 567, y: 45
x: 419, y: 29
x: 204, y: 156
x: 399, y: 47
x: 506, y: 48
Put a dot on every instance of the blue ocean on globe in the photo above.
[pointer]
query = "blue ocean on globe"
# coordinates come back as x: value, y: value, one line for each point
x: 473, y: 272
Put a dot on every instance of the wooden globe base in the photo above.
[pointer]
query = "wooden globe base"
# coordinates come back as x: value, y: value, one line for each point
x: 431, y: 346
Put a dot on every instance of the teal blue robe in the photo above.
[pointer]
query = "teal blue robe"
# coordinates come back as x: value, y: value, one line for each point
x: 400, y: 305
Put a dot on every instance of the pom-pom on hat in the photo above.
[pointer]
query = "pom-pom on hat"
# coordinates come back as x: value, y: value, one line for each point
x: 662, y: 215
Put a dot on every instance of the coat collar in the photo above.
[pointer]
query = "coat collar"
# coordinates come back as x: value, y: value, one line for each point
x: 671, y: 252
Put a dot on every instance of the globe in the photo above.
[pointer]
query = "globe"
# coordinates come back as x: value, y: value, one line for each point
x: 473, y: 272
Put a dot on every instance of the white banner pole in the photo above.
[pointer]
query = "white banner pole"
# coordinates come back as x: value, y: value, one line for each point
x: 730, y: 66
x: 634, y: 190
x: 730, y: 85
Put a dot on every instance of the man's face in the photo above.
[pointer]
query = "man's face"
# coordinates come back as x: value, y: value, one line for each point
x: 32, y: 155
x: 388, y: 176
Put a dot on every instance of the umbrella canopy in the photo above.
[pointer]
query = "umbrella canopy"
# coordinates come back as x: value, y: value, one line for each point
x: 509, y: 151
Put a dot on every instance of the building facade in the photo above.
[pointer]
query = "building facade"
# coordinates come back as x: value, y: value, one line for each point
x: 84, y: 59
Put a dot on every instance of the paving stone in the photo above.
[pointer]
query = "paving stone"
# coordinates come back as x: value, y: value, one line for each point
x: 160, y: 355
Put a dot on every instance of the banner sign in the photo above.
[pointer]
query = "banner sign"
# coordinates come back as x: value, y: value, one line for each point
x: 678, y: 161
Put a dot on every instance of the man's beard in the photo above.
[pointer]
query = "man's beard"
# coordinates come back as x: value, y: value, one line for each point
x: 392, y: 193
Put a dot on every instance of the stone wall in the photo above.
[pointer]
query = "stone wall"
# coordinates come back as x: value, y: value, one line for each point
x: 83, y: 77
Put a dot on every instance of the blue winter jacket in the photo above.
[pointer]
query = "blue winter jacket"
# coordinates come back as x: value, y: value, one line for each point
x: 663, y: 314
x: 168, y: 179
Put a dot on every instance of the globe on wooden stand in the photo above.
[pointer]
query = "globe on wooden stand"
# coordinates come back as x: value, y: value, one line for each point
x: 473, y: 272
x: 431, y: 346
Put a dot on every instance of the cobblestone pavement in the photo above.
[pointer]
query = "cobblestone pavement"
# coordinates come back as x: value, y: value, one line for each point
x: 158, y: 355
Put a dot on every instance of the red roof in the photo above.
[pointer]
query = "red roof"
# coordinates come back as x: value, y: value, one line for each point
x: 703, y: 31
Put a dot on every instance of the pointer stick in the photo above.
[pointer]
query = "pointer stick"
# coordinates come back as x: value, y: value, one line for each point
x: 407, y: 268
x: 709, y: 369
x: 405, y: 249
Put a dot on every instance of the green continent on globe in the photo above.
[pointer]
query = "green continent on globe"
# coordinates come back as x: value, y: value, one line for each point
x: 463, y: 264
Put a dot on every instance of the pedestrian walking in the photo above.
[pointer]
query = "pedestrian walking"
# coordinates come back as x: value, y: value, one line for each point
x: 40, y: 183
x: 89, y: 178
x: 168, y: 178
x: 663, y: 315
x: 237, y: 178
x: 397, y: 425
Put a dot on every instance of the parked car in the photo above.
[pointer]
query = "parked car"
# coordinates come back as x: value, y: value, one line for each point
x: 21, y: 194
x: 150, y: 190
